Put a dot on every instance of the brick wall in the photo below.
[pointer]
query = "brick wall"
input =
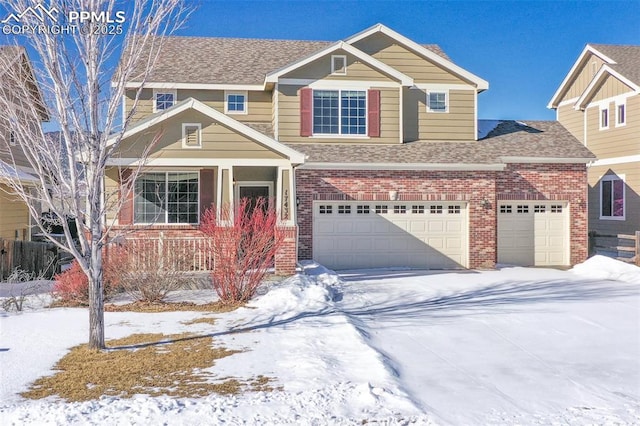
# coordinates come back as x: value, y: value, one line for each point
x: 565, y: 182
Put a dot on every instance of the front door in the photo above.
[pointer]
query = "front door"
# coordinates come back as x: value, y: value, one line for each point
x: 253, y: 191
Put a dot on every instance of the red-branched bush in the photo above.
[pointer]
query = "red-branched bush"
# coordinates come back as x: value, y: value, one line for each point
x: 244, y: 242
x: 72, y: 285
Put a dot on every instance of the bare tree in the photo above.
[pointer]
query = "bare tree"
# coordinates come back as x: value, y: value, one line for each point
x: 82, y: 84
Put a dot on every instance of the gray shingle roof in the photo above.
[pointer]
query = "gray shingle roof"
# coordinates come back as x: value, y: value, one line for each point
x: 539, y: 139
x: 215, y: 60
x: 627, y: 59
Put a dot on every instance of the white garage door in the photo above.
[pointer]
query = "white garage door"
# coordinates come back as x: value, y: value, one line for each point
x: 352, y: 234
x: 533, y: 233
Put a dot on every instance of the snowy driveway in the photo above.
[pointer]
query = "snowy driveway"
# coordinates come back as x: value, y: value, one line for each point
x: 503, y: 347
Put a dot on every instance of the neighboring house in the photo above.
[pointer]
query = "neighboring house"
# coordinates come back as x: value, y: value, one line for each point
x: 15, y: 220
x: 599, y: 103
x: 370, y: 147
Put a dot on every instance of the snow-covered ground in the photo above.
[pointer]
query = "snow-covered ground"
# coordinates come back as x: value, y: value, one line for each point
x: 514, y: 346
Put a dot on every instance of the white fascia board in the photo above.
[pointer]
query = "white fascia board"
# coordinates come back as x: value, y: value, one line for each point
x: 605, y: 70
x: 443, y: 86
x: 199, y: 162
x: 403, y: 166
x: 422, y: 51
x: 552, y: 160
x: 616, y: 160
x: 588, y: 49
x: 333, y: 84
x: 196, y: 86
x: 405, y: 80
x: 295, y: 156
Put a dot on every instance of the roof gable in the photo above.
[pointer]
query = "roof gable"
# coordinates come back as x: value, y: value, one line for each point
x: 621, y: 61
x: 421, y: 51
x: 12, y: 57
x: 240, y: 128
x: 605, y: 72
x: 405, y: 80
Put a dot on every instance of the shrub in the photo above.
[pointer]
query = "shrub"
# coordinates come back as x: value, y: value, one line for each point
x: 148, y: 270
x: 243, y: 245
x: 72, y: 285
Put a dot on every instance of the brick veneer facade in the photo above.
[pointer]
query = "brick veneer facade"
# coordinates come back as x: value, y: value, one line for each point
x: 566, y: 182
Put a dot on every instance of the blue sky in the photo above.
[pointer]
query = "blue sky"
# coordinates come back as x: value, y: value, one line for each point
x: 522, y: 48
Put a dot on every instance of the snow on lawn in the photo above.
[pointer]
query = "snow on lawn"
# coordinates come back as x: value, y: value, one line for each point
x: 514, y: 346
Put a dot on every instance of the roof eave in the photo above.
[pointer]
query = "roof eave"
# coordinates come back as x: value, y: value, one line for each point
x: 549, y: 160
x: 404, y: 166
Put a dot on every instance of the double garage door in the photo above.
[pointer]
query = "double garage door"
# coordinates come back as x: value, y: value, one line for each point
x: 357, y: 234
x: 533, y: 233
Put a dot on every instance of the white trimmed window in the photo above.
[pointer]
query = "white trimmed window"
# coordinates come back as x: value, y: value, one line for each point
x: 339, y: 64
x: 340, y: 112
x: 235, y: 103
x: 612, y: 192
x: 163, y: 99
x: 191, y: 135
x: 437, y: 102
x: 12, y: 138
x: 621, y: 114
x: 604, y: 117
x: 166, y: 197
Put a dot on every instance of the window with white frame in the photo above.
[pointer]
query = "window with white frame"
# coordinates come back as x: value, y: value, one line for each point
x: 235, y: 102
x: 163, y: 100
x: 604, y: 117
x: 437, y: 102
x: 191, y: 135
x: 621, y: 114
x: 166, y: 197
x: 339, y: 64
x: 612, y: 197
x: 12, y: 138
x: 340, y: 112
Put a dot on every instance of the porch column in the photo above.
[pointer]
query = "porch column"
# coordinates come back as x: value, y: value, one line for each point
x: 285, y: 194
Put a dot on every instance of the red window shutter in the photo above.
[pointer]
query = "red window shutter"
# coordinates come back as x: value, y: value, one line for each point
x: 306, y: 112
x: 207, y: 189
x: 374, y: 113
x: 125, y: 216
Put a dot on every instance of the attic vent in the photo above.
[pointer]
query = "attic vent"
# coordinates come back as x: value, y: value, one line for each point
x: 339, y: 64
x: 191, y: 135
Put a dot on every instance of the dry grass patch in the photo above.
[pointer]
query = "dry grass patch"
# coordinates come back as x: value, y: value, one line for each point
x: 217, y: 307
x: 151, y: 364
x: 202, y: 320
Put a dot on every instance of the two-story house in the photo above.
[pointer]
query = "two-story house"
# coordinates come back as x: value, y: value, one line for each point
x: 599, y: 103
x: 370, y: 147
x: 15, y: 220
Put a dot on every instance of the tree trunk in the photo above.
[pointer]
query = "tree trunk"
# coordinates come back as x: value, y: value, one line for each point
x: 96, y: 294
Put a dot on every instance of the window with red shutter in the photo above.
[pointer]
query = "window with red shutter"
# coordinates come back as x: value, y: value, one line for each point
x: 306, y: 112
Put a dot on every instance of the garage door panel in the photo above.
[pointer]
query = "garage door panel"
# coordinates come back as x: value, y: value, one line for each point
x: 538, y: 237
x: 406, y: 235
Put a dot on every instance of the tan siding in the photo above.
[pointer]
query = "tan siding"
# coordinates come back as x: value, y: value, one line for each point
x: 218, y: 141
x: 383, y: 48
x: 320, y: 69
x: 609, y: 88
x: 13, y: 154
x: 289, y: 118
x: 631, y: 172
x: 259, y: 103
x: 144, y: 107
x: 457, y: 124
x: 112, y: 192
x: 14, y: 215
x: 573, y: 120
x: 615, y: 141
x: 582, y: 80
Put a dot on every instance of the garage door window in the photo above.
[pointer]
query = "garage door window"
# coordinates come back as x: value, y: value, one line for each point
x: 363, y: 210
x: 417, y: 209
x: 505, y: 208
x: 382, y: 209
x: 556, y: 208
x: 399, y: 209
x: 435, y: 210
x: 326, y: 209
x: 344, y: 209
x: 454, y: 209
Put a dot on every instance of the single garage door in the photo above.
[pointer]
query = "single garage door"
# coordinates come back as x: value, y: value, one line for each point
x: 533, y: 233
x: 356, y: 234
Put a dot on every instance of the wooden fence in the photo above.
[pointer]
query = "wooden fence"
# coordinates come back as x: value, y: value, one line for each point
x: 625, y: 247
x: 38, y: 258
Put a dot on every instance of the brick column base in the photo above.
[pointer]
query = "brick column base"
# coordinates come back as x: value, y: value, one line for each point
x: 287, y: 255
